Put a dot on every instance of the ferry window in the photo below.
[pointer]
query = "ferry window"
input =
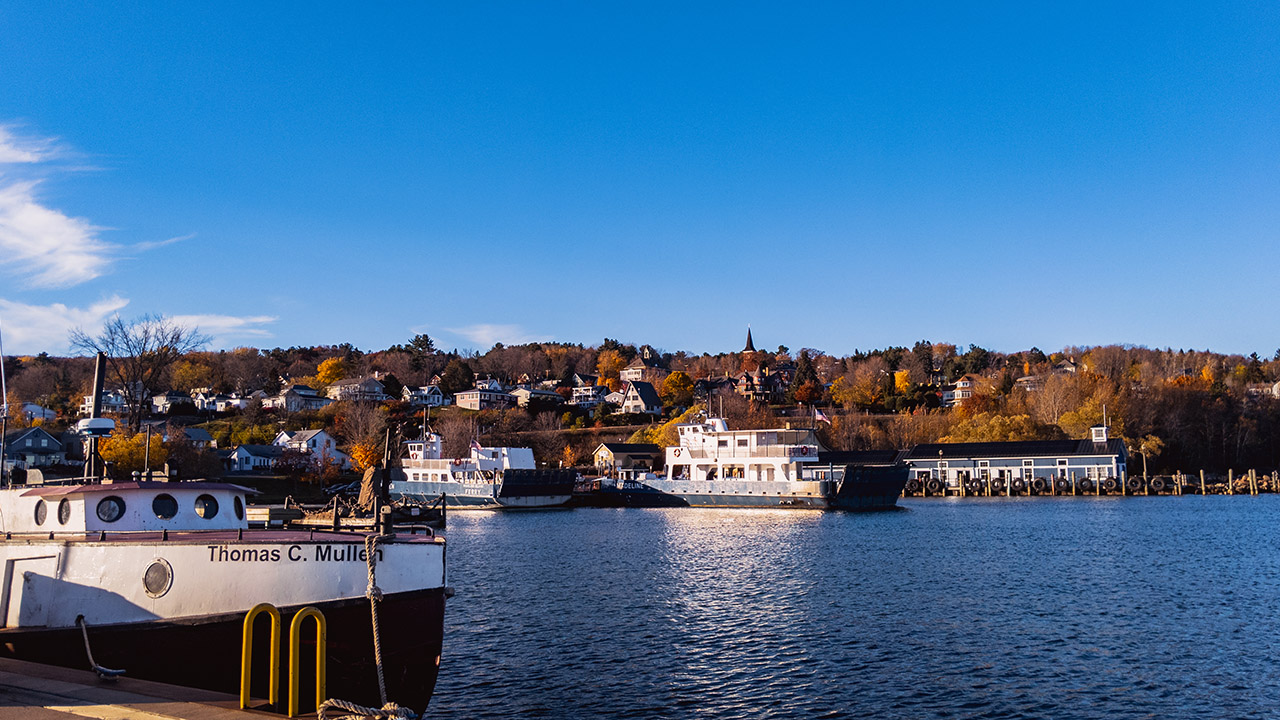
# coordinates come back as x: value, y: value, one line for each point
x: 64, y: 511
x: 164, y: 506
x: 110, y: 509
x: 238, y: 506
x: 742, y: 442
x: 207, y: 507
x: 42, y: 511
x: 723, y: 443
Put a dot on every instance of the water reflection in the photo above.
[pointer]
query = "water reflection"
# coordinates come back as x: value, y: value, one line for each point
x: 1085, y: 607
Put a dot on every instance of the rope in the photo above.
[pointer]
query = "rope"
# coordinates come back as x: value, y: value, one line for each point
x: 104, y: 673
x: 374, y: 593
x: 360, y: 712
x: 389, y: 710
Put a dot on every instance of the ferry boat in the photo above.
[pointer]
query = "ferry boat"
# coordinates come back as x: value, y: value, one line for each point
x: 714, y: 466
x: 156, y: 578
x: 487, y: 478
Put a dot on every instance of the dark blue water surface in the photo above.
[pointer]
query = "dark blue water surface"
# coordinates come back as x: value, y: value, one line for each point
x: 1162, y: 607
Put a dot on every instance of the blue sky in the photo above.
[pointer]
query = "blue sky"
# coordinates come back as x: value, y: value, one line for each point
x: 838, y: 176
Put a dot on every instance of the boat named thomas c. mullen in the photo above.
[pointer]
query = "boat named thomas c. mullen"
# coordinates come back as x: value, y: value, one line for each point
x: 714, y: 466
x: 156, y: 577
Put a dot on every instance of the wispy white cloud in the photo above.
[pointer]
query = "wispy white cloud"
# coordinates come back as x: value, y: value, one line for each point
x: 45, y: 247
x: 31, y: 329
x: 15, y: 149
x: 153, y: 244
x: 485, y: 334
x: 225, y: 330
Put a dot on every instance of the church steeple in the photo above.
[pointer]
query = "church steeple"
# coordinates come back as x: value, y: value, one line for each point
x: 751, y: 347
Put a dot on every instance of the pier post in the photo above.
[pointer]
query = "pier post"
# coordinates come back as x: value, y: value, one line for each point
x: 1231, y: 481
x: 1123, y: 490
x: 1073, y: 484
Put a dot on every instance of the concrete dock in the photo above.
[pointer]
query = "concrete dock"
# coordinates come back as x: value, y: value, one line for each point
x: 46, y: 692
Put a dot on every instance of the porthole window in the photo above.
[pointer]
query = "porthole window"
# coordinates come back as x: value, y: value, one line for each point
x: 238, y: 505
x: 42, y: 511
x: 164, y: 506
x: 110, y: 509
x: 207, y: 507
x: 158, y: 578
x: 64, y: 512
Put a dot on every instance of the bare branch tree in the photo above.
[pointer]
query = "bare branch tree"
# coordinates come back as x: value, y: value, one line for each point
x: 139, y: 353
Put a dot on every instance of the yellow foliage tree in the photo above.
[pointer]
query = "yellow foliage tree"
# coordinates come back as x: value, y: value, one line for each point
x: 677, y: 389
x: 665, y: 435
x: 609, y: 364
x: 128, y: 453
x: 902, y: 380
x: 331, y: 371
x: 569, y: 457
x: 992, y: 427
x: 365, y: 455
x: 187, y: 376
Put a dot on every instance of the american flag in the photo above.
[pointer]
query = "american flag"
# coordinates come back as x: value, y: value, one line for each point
x: 821, y: 416
x: 475, y: 445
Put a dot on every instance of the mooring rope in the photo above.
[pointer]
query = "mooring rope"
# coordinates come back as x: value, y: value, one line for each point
x: 360, y: 712
x: 388, y: 709
x: 374, y: 593
x: 104, y: 673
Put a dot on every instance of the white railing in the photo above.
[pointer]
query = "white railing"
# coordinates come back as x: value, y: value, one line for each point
x: 731, y: 453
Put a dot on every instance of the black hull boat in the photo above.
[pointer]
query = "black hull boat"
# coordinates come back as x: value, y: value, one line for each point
x: 206, y: 652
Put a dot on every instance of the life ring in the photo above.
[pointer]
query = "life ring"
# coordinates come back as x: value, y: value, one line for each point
x: 457, y: 461
x: 804, y: 449
x: 676, y: 452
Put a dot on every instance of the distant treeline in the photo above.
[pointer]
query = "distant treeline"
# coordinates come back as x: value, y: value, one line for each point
x: 1185, y: 409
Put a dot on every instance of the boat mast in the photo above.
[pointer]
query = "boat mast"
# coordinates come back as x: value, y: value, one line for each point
x: 4, y: 415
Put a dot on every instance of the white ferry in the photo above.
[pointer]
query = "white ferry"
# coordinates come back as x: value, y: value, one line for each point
x: 714, y: 466
x: 487, y: 477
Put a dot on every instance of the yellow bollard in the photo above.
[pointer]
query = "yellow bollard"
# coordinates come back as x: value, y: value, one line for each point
x: 295, y: 649
x: 246, y: 654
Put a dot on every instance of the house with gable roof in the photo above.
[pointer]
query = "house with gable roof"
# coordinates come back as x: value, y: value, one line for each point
x: 640, y: 397
x: 647, y: 366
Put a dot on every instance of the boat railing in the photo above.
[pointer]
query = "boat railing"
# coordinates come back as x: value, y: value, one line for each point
x: 799, y: 452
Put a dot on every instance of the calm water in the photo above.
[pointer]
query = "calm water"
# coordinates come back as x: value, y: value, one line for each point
x: 1002, y: 608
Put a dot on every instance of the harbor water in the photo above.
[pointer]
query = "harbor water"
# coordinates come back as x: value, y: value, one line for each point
x: 1160, y: 607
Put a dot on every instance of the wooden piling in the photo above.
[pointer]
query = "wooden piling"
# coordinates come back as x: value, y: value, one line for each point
x: 1202, y: 481
x: 1073, y: 484
x: 1231, y: 481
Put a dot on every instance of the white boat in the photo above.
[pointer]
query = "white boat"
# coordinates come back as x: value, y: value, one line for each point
x: 487, y: 477
x: 157, y: 578
x: 713, y: 466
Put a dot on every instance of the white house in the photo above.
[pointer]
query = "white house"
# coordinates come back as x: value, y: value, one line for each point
x: 362, y: 389
x: 297, y: 398
x: 315, y: 442
x: 524, y: 396
x: 588, y: 395
x: 425, y: 396
x: 250, y: 458
x: 640, y: 397
x: 112, y: 402
x: 483, y: 399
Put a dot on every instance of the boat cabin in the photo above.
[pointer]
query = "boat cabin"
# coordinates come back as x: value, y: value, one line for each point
x: 130, y: 506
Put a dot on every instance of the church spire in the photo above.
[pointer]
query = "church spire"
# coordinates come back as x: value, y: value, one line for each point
x: 751, y: 347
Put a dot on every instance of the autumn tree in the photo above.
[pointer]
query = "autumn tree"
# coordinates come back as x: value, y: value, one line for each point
x: 139, y: 353
x: 331, y: 371
x: 127, y: 452
x: 677, y: 389
x: 609, y: 364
